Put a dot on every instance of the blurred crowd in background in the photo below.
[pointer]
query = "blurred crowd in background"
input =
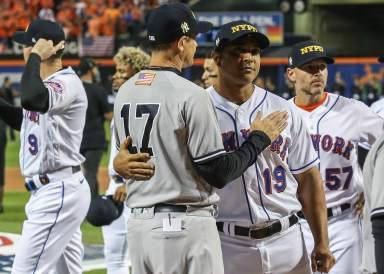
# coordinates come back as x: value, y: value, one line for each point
x: 89, y: 18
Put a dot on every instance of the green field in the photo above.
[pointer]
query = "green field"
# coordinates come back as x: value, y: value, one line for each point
x: 11, y: 220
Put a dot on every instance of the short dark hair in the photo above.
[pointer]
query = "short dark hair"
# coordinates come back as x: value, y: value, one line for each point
x: 161, y: 47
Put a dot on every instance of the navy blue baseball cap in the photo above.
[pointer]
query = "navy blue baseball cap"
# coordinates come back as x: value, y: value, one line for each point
x: 103, y: 210
x: 306, y: 51
x: 40, y: 29
x: 85, y: 65
x: 237, y: 29
x: 169, y: 22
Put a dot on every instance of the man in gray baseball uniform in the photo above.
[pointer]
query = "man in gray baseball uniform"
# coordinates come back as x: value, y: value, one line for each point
x: 172, y: 227
x: 373, y: 217
x: 51, y: 120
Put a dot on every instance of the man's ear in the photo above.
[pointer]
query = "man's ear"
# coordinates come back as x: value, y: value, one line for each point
x: 217, y: 58
x: 291, y: 75
x: 181, y: 43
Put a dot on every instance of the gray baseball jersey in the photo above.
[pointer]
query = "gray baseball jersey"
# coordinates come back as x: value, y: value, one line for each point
x: 174, y: 121
x: 374, y: 199
x: 49, y: 141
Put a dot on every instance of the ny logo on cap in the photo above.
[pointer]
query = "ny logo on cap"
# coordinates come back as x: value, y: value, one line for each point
x: 184, y: 27
x: 290, y: 61
x: 217, y: 41
x: 151, y: 38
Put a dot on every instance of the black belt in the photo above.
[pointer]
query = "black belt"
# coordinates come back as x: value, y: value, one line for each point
x: 259, y: 233
x: 343, y: 208
x: 118, y: 179
x: 44, y: 179
x: 163, y: 208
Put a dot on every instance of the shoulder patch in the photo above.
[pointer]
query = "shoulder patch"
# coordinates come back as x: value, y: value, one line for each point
x: 145, y: 78
x: 55, y: 85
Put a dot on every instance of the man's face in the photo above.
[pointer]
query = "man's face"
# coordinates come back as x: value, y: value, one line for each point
x: 210, y: 72
x: 190, y: 46
x: 122, y: 74
x: 310, y: 78
x: 240, y: 61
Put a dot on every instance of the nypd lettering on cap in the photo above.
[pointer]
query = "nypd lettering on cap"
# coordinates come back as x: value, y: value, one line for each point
x: 308, y: 49
x: 242, y: 27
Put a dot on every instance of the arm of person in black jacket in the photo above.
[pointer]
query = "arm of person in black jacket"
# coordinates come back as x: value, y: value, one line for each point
x: 11, y: 115
x: 221, y: 170
x: 33, y: 94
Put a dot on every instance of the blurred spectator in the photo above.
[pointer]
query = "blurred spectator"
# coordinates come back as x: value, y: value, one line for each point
x: 94, y: 142
x: 338, y: 86
x: 260, y: 82
x: 46, y: 11
x: 357, y: 88
x: 8, y: 94
x: 3, y: 143
x: 270, y: 85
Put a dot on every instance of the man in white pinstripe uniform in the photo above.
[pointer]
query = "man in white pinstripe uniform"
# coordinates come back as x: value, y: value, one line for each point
x: 52, y: 119
x: 337, y: 124
x: 257, y: 221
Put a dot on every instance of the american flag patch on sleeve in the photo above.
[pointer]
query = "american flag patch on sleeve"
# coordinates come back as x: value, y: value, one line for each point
x: 145, y: 78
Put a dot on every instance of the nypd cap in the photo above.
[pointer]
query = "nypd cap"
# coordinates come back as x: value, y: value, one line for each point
x: 103, y: 210
x: 234, y: 30
x: 169, y: 22
x: 40, y: 29
x: 304, y: 52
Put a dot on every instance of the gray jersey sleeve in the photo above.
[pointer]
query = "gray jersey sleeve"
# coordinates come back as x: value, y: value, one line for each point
x: 204, y: 137
x: 377, y: 193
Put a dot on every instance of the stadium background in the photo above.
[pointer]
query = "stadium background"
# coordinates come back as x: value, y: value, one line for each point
x: 350, y: 30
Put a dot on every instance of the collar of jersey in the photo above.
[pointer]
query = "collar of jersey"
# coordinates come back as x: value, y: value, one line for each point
x: 256, y: 98
x: 315, y: 105
x: 67, y: 70
x: 178, y: 72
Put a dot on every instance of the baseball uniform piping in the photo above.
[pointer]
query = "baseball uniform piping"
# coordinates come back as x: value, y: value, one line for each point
x: 318, y: 124
x: 257, y: 173
x: 54, y: 223
x: 242, y: 175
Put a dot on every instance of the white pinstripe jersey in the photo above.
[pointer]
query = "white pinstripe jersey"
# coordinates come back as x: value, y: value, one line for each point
x: 336, y: 127
x: 51, y: 141
x: 267, y: 190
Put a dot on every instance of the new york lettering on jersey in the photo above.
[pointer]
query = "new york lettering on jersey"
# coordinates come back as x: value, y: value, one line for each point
x: 335, y: 138
x: 267, y: 190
